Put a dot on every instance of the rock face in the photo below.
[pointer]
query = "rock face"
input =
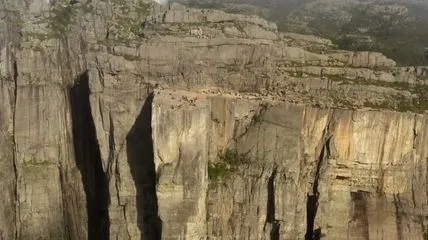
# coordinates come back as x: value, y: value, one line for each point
x: 129, y: 120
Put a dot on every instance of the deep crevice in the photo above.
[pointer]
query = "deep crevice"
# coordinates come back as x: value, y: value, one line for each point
x: 270, y: 216
x: 312, y: 201
x: 415, y: 134
x: 139, y: 147
x: 88, y: 160
x: 15, y: 167
x: 399, y: 213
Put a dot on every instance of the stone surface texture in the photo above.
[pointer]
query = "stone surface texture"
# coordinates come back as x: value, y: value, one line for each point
x: 116, y: 118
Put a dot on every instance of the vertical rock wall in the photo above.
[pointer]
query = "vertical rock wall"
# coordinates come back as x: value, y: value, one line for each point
x: 7, y: 156
x: 180, y: 138
x: 89, y: 150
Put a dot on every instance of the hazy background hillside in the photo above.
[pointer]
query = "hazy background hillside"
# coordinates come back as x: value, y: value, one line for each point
x: 398, y: 28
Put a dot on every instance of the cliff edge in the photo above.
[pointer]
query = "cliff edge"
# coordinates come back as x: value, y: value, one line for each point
x: 131, y: 120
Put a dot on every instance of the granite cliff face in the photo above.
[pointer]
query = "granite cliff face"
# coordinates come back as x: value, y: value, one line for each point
x: 128, y: 120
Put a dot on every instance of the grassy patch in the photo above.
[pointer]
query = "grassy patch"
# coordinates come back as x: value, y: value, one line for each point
x: 61, y: 20
x: 401, y: 104
x: 362, y: 81
x: 395, y: 85
x: 229, y: 162
x: 418, y: 104
x: 336, y: 78
x: 126, y: 24
x: 379, y: 105
x: 204, y: 5
x: 258, y: 117
x: 341, y: 100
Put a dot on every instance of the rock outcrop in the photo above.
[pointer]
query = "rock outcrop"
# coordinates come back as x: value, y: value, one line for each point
x: 129, y: 120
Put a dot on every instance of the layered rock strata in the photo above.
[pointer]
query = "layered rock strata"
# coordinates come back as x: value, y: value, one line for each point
x: 128, y: 120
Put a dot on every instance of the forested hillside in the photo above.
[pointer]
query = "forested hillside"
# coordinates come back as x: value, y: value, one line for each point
x: 396, y: 28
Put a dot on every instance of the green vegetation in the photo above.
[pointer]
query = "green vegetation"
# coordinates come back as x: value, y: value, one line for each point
x: 299, y: 74
x: 229, y: 162
x: 363, y: 81
x: 401, y: 37
x: 61, y: 20
x: 126, y: 24
x: 379, y: 105
x: 336, y: 78
x: 400, y: 104
x: 399, y: 34
x: 258, y: 117
x: 203, y: 5
x: 339, y: 99
x: 418, y: 103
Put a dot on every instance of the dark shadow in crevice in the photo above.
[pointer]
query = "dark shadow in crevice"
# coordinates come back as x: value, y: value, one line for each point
x: 399, y: 216
x: 88, y: 160
x: 270, y: 216
x: 312, y: 201
x: 311, y: 212
x: 139, y: 147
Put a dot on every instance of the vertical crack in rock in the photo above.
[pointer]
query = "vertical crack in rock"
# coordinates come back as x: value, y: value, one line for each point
x: 15, y: 167
x: 415, y: 133
x: 88, y: 160
x: 413, y: 192
x: 111, y: 144
x: 414, y: 176
x: 270, y: 216
x: 139, y: 147
x: 399, y: 213
x: 312, y: 198
x: 426, y: 177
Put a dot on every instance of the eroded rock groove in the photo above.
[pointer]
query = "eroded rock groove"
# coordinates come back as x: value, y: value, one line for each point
x: 270, y: 216
x: 139, y: 147
x: 88, y: 160
x: 313, y: 233
x: 15, y: 167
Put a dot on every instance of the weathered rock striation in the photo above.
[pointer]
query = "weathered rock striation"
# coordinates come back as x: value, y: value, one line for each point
x: 129, y: 120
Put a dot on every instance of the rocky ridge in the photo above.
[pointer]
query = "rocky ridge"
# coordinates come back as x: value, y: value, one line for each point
x: 128, y: 120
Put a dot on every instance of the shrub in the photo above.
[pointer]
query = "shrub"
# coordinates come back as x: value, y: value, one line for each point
x: 258, y: 117
x: 229, y: 162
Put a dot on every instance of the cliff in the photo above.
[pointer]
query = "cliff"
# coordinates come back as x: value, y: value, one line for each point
x: 129, y: 120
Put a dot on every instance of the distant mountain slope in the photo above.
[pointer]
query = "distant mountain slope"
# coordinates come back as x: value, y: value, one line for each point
x: 397, y: 28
